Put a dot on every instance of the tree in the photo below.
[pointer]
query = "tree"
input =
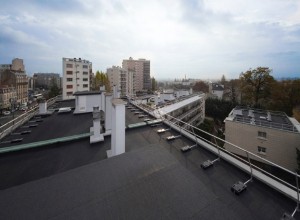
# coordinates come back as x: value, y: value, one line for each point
x: 200, y: 86
x: 54, y: 90
x: 223, y: 80
x: 256, y: 86
x: 285, y: 96
x: 101, y: 79
x: 153, y: 84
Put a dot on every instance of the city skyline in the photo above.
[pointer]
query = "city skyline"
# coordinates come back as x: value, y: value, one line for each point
x: 199, y: 39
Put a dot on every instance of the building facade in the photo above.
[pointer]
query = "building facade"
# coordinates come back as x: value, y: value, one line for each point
x: 216, y: 90
x: 141, y: 71
x: 17, y: 80
x: 46, y: 80
x: 118, y: 77
x: 7, y: 94
x: 76, y: 76
x: 270, y: 135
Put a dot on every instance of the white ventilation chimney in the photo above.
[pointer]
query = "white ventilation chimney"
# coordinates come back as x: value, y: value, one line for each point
x: 42, y: 107
x: 116, y: 93
x: 102, y: 88
x: 118, y: 128
x: 108, y: 113
x: 191, y: 91
x: 97, y: 127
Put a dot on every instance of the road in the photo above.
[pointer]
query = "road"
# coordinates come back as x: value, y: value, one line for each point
x: 6, y: 118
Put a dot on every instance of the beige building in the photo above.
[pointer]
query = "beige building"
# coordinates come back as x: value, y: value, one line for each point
x: 76, y: 76
x: 141, y: 71
x: 118, y: 77
x: 271, y: 135
x: 6, y: 95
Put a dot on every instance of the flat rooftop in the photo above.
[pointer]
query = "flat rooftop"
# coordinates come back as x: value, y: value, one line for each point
x: 152, y: 180
x: 264, y: 118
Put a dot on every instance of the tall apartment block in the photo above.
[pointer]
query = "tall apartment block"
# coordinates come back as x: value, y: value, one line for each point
x: 76, y: 76
x: 141, y: 69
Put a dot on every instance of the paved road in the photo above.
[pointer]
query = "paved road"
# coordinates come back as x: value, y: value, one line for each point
x: 6, y: 118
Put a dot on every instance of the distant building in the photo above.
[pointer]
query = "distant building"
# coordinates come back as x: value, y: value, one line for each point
x: 6, y: 95
x: 17, y: 80
x: 46, y: 80
x: 140, y: 71
x: 118, y: 77
x: 17, y: 65
x: 271, y: 135
x: 14, y: 76
x: 76, y: 76
x: 216, y: 90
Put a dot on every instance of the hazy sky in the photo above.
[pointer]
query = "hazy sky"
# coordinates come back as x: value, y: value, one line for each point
x: 202, y: 39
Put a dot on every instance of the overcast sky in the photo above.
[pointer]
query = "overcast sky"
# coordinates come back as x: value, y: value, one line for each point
x: 202, y: 39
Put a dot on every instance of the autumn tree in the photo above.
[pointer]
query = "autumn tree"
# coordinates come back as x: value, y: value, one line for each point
x: 223, y: 80
x: 153, y: 84
x: 101, y: 79
x: 285, y: 96
x: 256, y: 86
x: 200, y: 86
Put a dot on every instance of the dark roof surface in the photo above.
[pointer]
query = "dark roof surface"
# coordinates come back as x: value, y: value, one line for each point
x: 153, y: 180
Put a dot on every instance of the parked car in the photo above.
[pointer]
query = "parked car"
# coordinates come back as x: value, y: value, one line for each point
x: 6, y: 113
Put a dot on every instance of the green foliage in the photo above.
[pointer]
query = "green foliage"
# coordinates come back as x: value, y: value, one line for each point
x: 153, y: 84
x: 101, y: 79
x: 54, y: 90
x: 285, y: 96
x: 256, y: 86
x: 200, y: 86
x: 207, y: 126
x: 218, y: 109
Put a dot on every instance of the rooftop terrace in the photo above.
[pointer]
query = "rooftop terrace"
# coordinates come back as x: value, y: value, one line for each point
x: 264, y: 118
x: 152, y: 180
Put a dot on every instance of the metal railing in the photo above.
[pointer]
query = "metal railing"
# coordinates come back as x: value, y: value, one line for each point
x: 246, y: 162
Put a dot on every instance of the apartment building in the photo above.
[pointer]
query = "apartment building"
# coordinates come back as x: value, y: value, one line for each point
x: 46, y: 80
x: 7, y: 94
x: 76, y: 76
x: 16, y: 65
x: 118, y: 77
x: 141, y: 69
x: 271, y: 135
x: 216, y: 90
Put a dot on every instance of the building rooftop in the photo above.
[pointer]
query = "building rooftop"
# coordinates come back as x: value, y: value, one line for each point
x: 152, y: 180
x: 264, y: 118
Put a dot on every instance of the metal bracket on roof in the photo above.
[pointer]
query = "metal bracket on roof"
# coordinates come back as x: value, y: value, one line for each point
x: 239, y: 186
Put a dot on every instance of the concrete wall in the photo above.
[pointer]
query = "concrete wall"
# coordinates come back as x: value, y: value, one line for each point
x: 280, y: 145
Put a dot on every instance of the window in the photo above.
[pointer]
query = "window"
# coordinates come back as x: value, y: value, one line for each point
x: 69, y: 79
x: 69, y: 72
x: 84, y: 66
x: 69, y: 93
x: 85, y: 79
x: 85, y: 73
x: 85, y: 85
x: 261, y: 150
x: 69, y: 65
x: 69, y: 86
x: 262, y: 134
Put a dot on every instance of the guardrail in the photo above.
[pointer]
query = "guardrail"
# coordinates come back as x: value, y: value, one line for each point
x: 245, y: 164
x: 21, y: 119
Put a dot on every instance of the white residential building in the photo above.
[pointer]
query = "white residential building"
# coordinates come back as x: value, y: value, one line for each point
x: 76, y: 76
x: 118, y: 77
x: 271, y: 135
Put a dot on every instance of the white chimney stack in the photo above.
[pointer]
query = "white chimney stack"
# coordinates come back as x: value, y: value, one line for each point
x: 118, y: 128
x: 42, y: 107
x: 97, y: 127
